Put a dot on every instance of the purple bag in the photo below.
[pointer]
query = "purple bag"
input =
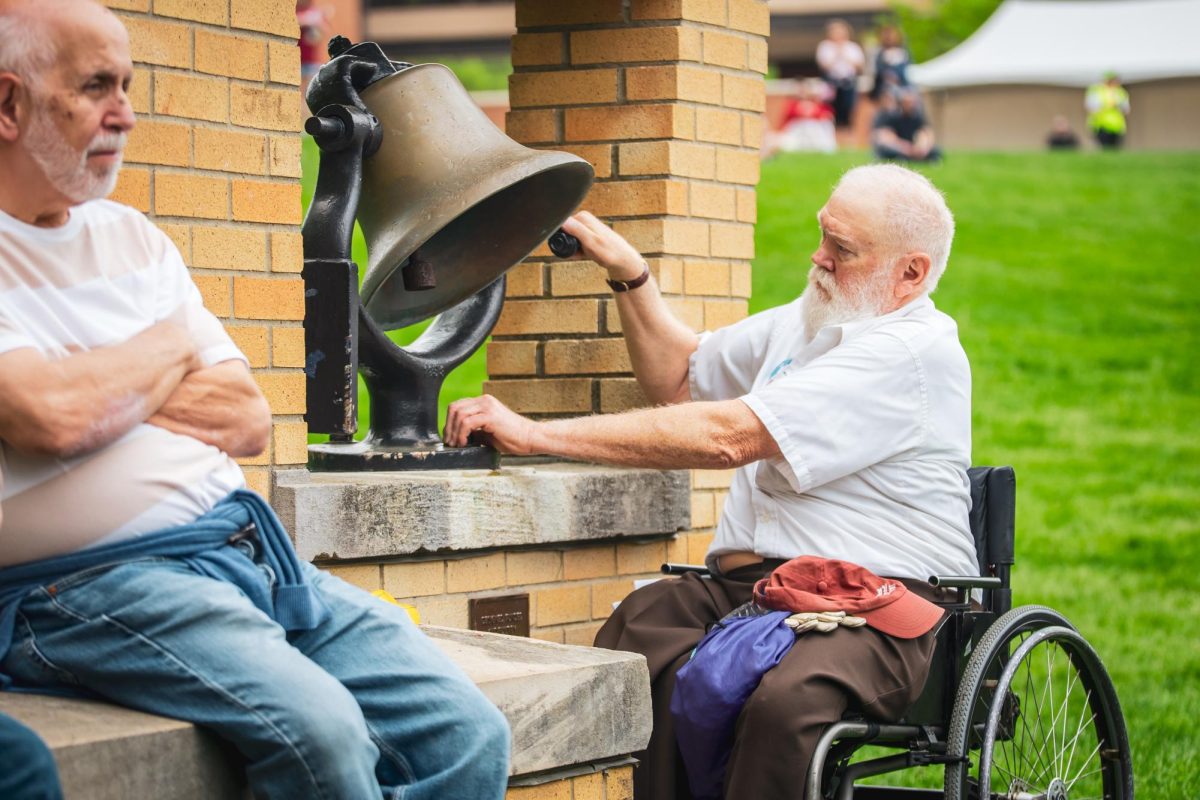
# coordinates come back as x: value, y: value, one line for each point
x: 711, y: 688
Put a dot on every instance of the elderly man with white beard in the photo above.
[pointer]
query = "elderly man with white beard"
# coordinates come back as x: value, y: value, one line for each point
x: 846, y: 414
x: 134, y: 563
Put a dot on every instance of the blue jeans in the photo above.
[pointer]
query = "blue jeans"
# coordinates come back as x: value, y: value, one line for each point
x: 27, y: 770
x: 363, y: 706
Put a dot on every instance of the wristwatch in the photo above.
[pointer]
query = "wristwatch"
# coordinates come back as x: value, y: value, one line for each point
x: 625, y: 286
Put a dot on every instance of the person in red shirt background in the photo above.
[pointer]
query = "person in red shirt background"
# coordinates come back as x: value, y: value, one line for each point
x: 314, y: 24
x: 807, y: 123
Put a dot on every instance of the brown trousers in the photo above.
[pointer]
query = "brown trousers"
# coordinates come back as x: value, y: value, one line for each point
x: 821, y: 677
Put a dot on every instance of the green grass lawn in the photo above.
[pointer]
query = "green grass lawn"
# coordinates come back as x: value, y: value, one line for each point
x: 1069, y: 282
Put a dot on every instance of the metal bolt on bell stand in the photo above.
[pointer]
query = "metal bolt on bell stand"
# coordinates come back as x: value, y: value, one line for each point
x: 447, y: 204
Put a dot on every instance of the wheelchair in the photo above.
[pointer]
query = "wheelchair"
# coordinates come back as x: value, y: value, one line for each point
x: 1017, y: 705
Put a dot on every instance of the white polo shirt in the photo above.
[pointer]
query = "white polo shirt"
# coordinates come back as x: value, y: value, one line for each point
x: 873, y: 421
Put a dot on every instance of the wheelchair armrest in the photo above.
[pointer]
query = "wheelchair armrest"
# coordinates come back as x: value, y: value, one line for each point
x: 683, y: 569
x: 966, y: 582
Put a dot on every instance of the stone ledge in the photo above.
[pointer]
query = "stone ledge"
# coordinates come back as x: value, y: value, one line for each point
x: 566, y: 706
x: 338, y: 515
x: 106, y: 752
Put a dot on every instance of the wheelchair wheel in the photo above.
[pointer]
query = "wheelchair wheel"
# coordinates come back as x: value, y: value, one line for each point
x: 1036, y: 717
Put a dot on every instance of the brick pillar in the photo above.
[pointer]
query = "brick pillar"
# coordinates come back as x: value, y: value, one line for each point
x: 665, y: 98
x: 215, y: 162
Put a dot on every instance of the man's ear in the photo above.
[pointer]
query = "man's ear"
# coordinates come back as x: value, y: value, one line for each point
x: 11, y: 89
x: 913, y: 272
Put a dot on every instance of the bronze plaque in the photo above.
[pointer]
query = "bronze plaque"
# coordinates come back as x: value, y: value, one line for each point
x: 507, y: 614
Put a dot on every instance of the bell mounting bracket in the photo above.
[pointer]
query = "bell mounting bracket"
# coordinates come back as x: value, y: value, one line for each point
x: 340, y: 338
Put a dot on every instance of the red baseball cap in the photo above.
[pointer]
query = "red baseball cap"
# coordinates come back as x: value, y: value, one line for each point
x: 809, y: 583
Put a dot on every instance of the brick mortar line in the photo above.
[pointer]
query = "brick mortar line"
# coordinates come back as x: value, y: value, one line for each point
x: 640, y: 24
x: 208, y: 124
x: 226, y: 224
x: 283, y: 227
x: 702, y: 142
x: 193, y: 24
x: 719, y: 69
x: 623, y: 66
x: 192, y: 72
x: 695, y: 104
x: 683, y: 218
x: 207, y: 172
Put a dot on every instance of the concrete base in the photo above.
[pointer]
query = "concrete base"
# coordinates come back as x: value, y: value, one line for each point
x: 566, y: 706
x: 339, y: 515
x: 105, y: 752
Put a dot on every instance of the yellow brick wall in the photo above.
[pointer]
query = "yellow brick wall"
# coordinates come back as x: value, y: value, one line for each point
x: 611, y: 784
x: 571, y: 590
x: 215, y: 162
x: 665, y: 98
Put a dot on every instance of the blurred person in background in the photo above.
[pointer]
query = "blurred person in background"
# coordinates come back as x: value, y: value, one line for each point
x: 1061, y: 137
x: 807, y: 122
x: 1107, y: 104
x: 841, y: 61
x: 891, y: 62
x: 903, y: 133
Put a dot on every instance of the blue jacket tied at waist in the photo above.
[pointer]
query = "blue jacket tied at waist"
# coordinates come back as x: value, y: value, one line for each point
x: 205, y: 547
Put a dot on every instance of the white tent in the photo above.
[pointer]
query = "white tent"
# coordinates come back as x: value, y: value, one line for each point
x: 1071, y: 43
x: 1031, y: 60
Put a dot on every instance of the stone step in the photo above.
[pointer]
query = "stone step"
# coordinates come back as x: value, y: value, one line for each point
x: 566, y: 705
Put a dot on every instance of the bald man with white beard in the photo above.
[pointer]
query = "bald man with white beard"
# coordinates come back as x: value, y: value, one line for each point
x: 846, y: 415
x: 134, y: 563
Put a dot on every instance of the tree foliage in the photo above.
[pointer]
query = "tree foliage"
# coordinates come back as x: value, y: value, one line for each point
x: 940, y: 25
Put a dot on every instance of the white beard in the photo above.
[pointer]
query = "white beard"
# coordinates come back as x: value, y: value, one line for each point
x: 818, y: 309
x: 67, y: 169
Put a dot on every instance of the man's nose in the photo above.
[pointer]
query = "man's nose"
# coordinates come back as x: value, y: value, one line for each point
x: 121, y: 116
x: 820, y: 258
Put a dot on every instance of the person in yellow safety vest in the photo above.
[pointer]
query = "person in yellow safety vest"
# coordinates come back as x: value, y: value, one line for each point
x: 1107, y: 104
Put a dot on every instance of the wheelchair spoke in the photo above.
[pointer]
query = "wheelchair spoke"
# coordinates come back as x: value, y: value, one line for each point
x: 1041, y: 739
x: 1096, y: 771
x: 1081, y: 727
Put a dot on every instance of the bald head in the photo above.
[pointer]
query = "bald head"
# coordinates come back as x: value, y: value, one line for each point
x: 908, y: 214
x: 32, y: 32
x: 65, y: 70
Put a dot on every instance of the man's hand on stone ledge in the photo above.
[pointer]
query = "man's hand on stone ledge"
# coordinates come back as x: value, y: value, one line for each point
x: 496, y: 424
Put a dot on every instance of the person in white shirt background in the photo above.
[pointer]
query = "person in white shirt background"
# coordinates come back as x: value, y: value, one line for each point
x: 841, y: 61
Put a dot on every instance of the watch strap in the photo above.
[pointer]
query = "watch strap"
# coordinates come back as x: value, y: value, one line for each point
x: 625, y: 286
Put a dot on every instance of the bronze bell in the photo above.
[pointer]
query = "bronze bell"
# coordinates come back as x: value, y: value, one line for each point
x: 449, y: 202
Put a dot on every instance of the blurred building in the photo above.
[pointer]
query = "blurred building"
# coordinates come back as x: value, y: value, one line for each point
x: 1033, y: 60
x: 416, y: 29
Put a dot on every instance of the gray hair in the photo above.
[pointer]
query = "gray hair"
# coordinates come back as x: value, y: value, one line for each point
x: 27, y: 48
x: 914, y: 213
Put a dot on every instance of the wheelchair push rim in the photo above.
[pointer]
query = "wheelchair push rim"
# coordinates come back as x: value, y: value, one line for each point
x: 1039, y: 716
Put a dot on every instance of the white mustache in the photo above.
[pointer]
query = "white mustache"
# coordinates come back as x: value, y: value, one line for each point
x: 108, y: 142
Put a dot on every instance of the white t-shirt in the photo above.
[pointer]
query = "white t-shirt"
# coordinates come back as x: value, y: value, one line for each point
x: 873, y: 420
x: 840, y: 61
x: 101, y: 278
